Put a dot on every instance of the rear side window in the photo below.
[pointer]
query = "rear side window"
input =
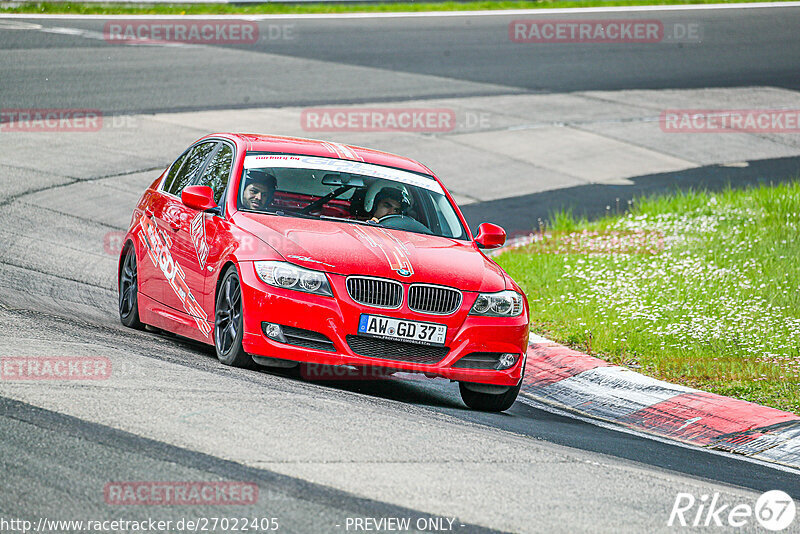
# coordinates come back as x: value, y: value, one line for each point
x: 188, y: 171
x: 173, y: 170
x: 217, y: 171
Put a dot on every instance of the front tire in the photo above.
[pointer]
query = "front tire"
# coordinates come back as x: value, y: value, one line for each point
x: 485, y: 401
x: 229, y: 322
x: 129, y: 291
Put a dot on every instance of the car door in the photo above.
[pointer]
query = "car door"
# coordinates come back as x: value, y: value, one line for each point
x: 196, y: 236
x: 170, y: 254
x: 151, y: 279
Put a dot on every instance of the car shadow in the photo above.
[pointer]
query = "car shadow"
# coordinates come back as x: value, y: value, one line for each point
x: 407, y: 388
x: 437, y: 393
x: 525, y: 213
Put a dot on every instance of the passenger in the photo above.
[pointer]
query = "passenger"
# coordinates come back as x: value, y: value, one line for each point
x: 259, y: 188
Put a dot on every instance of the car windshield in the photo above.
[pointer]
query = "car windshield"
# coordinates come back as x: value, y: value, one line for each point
x: 349, y: 191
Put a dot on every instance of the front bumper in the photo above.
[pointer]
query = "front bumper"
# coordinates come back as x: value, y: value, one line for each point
x: 338, y: 317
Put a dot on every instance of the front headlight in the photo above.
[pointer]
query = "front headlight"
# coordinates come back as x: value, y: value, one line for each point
x: 501, y: 304
x: 289, y: 276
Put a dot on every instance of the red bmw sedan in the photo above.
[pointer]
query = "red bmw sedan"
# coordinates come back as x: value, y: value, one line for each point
x: 282, y: 251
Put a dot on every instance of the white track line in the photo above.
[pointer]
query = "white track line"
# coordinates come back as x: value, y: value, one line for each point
x: 426, y: 14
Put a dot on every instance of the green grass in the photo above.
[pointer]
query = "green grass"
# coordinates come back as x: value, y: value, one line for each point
x: 696, y: 288
x: 343, y: 7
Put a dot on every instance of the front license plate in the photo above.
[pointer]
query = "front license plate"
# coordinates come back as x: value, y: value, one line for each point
x: 402, y: 330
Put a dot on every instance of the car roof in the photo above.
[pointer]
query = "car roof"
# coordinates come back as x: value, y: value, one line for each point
x: 326, y: 149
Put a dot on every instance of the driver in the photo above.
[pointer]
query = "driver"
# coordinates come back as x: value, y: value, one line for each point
x: 389, y: 201
x: 258, y: 190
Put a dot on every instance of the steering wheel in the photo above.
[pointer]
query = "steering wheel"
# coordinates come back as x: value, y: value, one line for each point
x: 392, y: 216
x: 403, y: 222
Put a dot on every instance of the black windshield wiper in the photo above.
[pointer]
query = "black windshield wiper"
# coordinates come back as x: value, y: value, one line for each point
x: 342, y: 219
x: 371, y: 223
x: 282, y: 213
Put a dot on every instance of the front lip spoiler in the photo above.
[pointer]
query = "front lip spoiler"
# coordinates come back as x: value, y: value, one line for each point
x: 258, y: 344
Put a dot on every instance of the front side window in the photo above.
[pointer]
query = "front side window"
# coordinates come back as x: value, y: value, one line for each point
x: 348, y: 191
x: 191, y: 166
x: 217, y: 171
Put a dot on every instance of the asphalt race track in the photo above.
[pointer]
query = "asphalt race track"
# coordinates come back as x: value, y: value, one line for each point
x: 321, y: 454
x: 312, y: 61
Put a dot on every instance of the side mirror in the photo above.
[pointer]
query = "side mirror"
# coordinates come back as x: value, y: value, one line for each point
x: 198, y: 197
x: 490, y: 236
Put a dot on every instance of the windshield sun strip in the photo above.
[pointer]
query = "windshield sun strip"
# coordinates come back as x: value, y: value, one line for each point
x: 322, y: 164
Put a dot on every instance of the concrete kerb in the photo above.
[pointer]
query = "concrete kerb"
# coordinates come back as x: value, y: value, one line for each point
x: 576, y: 382
x: 579, y: 383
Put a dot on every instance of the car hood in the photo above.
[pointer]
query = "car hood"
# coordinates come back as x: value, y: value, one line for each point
x: 347, y: 248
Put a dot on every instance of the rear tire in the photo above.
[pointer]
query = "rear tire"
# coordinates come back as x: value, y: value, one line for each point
x: 229, y: 322
x: 489, y: 402
x: 129, y: 291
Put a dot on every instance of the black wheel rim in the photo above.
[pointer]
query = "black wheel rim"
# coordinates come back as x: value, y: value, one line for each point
x: 229, y: 310
x: 127, y: 285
